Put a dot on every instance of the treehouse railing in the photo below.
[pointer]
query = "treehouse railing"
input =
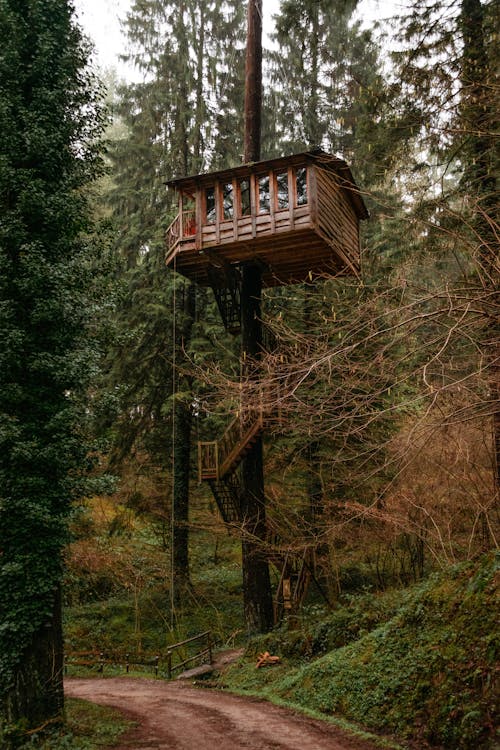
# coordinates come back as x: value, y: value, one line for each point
x: 216, y: 458
x: 182, y: 227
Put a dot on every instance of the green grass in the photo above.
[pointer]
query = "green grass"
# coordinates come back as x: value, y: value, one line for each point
x: 427, y: 672
x: 87, y: 727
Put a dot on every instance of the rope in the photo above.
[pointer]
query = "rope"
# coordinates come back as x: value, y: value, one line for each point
x: 172, y: 509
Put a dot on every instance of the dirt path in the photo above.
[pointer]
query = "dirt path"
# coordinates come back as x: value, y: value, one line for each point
x: 176, y: 716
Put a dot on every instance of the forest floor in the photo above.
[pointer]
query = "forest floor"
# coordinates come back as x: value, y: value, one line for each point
x: 177, y: 716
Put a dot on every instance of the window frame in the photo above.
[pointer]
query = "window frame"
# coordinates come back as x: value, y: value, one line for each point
x: 290, y: 197
x: 258, y: 178
x: 307, y: 186
x: 206, y: 221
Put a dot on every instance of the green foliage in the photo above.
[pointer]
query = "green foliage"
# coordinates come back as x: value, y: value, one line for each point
x: 50, y: 123
x: 87, y: 726
x: 426, y: 672
x: 117, y: 588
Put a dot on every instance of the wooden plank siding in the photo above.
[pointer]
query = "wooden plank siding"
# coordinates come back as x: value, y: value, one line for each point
x: 291, y: 243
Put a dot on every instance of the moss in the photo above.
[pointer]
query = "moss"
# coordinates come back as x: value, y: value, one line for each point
x: 427, y: 672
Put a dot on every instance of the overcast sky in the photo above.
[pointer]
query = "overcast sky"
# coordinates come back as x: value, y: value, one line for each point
x: 101, y: 21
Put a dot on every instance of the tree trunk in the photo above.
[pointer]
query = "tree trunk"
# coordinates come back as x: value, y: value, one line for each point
x: 37, y: 690
x: 180, y: 508
x: 257, y: 597
x: 478, y: 116
x: 182, y: 452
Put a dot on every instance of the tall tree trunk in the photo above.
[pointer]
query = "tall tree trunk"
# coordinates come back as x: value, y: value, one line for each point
x: 180, y: 507
x: 257, y: 595
x: 478, y: 116
x: 37, y: 689
x: 182, y: 450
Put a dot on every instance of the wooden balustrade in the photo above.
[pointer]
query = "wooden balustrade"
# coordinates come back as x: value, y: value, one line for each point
x: 183, y: 227
x: 217, y: 458
x: 205, y: 653
x: 100, y: 659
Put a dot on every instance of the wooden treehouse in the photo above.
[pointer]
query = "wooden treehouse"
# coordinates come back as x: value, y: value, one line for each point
x: 295, y: 218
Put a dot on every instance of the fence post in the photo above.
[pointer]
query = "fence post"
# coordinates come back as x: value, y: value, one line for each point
x: 101, y: 663
x: 157, y: 660
x: 209, y: 648
x: 169, y: 664
x: 127, y: 662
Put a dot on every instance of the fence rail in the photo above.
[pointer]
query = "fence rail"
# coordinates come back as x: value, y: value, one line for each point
x: 217, y: 457
x: 101, y: 659
x: 207, y: 651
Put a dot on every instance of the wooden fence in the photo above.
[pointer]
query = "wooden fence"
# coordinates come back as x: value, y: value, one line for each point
x: 101, y: 659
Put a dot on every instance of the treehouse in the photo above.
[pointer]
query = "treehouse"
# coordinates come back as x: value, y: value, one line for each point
x: 294, y: 216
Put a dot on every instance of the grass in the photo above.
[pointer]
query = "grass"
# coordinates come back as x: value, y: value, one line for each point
x: 87, y: 727
x: 426, y: 673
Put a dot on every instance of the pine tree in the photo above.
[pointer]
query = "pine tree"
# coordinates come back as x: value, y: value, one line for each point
x: 50, y: 120
x: 178, y: 123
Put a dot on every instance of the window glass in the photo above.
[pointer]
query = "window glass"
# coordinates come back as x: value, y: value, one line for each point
x: 210, y: 204
x: 227, y: 200
x: 282, y: 190
x: 264, y: 199
x: 246, y: 208
x: 301, y: 182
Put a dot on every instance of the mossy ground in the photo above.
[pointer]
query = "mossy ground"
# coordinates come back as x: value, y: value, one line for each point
x: 87, y: 727
x: 427, y: 672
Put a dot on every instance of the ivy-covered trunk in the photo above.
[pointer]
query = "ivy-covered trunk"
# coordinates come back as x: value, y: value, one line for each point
x: 37, y: 689
x: 50, y: 122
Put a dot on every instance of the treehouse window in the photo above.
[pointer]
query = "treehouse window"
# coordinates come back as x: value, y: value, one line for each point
x: 246, y: 207
x: 282, y: 198
x: 227, y: 200
x: 264, y: 197
x: 301, y: 186
x: 210, y: 205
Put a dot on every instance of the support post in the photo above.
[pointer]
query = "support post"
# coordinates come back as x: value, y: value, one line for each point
x: 257, y: 597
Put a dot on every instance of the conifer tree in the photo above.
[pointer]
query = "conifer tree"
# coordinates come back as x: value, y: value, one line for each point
x: 49, y: 120
x: 178, y: 123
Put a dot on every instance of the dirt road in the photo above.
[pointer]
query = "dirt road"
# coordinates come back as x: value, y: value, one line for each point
x: 176, y: 716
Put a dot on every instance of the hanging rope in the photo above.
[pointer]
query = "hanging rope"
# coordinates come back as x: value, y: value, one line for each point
x: 172, y: 509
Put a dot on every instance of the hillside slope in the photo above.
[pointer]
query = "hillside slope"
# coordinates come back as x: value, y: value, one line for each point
x: 427, y: 673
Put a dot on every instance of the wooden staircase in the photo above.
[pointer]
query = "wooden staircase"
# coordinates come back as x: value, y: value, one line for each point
x: 226, y: 492
x: 218, y: 461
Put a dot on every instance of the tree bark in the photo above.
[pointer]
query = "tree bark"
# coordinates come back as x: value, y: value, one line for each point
x: 253, y: 82
x: 182, y: 430
x: 257, y: 597
x: 37, y: 689
x: 482, y: 157
x: 180, y: 509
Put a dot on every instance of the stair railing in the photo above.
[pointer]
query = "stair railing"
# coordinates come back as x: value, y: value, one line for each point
x: 217, y: 457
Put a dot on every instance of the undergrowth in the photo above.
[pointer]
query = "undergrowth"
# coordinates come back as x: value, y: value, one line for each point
x: 420, y: 663
x: 87, y: 727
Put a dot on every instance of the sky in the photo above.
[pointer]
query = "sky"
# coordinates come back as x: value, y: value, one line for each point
x: 100, y: 20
